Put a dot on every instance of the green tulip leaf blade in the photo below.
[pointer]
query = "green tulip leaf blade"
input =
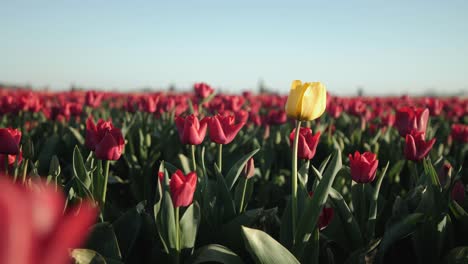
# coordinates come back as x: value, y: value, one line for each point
x: 264, y: 249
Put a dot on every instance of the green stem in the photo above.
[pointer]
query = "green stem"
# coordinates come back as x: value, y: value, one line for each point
x: 294, y: 180
x: 241, y: 207
x: 177, y: 226
x: 15, y: 169
x: 104, y: 184
x: 194, y: 162
x: 25, y: 170
x: 362, y: 206
x: 220, y: 157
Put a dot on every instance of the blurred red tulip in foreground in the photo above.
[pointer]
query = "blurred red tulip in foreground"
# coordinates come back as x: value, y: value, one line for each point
x: 34, y: 228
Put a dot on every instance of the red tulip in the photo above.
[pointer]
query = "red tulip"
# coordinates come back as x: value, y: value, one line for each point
x: 148, y: 104
x: 161, y: 176
x: 416, y: 147
x: 34, y: 228
x: 460, y: 133
x: 242, y: 116
x: 182, y: 188
x: 12, y: 159
x: 307, y: 144
x: 10, y: 139
x: 104, y: 139
x: 202, y: 90
x: 325, y: 216
x: 223, y: 130
x: 249, y: 169
x: 277, y: 117
x: 191, y: 131
x: 363, y: 166
x: 410, y: 118
x: 444, y: 173
x: 458, y: 192
x: 334, y: 110
x: 93, y: 98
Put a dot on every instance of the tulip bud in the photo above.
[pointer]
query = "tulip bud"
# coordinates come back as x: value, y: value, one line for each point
x: 458, y: 192
x: 191, y: 131
x: 10, y: 139
x: 54, y: 167
x: 306, y: 101
x: 202, y: 90
x: 410, y: 118
x: 363, y: 166
x: 182, y: 188
x: 111, y: 145
x: 307, y: 144
x: 249, y: 169
x: 325, y: 216
x: 223, y: 130
x: 416, y: 148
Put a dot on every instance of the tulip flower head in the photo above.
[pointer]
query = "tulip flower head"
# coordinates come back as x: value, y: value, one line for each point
x: 416, y: 148
x: 182, y: 188
x: 307, y: 144
x: 223, y: 129
x: 202, y: 90
x: 460, y: 133
x: 410, y: 118
x: 249, y: 169
x: 10, y: 139
x: 34, y: 228
x: 363, y: 166
x: 306, y: 101
x: 191, y: 131
x: 325, y: 216
x: 104, y: 139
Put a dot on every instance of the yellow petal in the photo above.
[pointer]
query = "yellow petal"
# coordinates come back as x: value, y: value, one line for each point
x: 314, y: 101
x: 294, y: 100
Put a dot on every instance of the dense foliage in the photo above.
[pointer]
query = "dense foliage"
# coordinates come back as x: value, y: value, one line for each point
x: 203, y: 177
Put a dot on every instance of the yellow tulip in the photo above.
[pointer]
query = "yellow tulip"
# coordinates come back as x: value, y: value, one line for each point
x: 306, y: 101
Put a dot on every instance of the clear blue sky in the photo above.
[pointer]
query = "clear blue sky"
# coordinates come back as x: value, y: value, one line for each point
x: 384, y: 46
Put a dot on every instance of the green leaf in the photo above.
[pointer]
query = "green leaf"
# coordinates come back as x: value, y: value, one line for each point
x: 308, y: 219
x: 430, y: 171
x: 127, y: 229
x: 102, y: 239
x: 457, y: 255
x: 215, y: 253
x: 303, y: 173
x: 264, y: 249
x: 236, y: 169
x: 165, y: 221
x: 373, y: 204
x: 189, y: 226
x: 185, y: 163
x: 79, y: 169
x: 86, y: 256
x: 77, y: 135
x: 224, y: 193
x: 397, y: 231
x: 350, y: 226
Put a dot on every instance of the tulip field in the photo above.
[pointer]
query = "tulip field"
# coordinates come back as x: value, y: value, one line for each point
x: 207, y: 177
